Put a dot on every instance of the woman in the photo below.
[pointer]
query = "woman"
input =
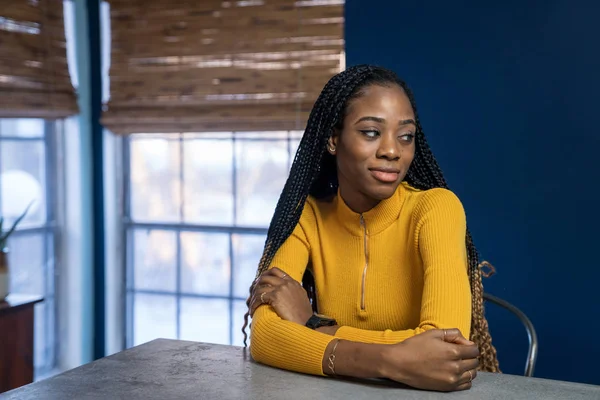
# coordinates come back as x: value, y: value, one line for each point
x: 366, y: 211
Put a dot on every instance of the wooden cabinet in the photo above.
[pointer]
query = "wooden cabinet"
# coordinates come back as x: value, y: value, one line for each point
x: 16, y: 341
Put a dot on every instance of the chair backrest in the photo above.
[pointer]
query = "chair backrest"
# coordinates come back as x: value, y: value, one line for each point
x: 533, y: 340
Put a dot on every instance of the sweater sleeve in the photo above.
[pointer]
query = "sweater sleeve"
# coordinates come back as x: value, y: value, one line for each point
x: 440, y: 239
x: 281, y: 343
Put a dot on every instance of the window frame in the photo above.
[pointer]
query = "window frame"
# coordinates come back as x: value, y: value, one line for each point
x: 129, y: 227
x: 50, y: 232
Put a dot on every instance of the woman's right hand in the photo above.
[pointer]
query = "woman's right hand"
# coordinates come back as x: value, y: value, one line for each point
x: 441, y: 360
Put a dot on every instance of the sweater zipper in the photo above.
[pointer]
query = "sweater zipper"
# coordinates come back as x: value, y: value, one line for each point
x: 364, y: 274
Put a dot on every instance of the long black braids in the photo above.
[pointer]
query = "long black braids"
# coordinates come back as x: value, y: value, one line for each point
x: 313, y: 173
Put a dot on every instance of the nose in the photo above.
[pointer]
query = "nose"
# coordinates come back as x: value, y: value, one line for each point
x: 389, y: 147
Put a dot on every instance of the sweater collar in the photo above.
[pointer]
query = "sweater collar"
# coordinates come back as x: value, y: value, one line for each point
x: 376, y: 219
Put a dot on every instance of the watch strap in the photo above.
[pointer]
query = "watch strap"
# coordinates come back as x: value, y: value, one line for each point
x: 317, y: 321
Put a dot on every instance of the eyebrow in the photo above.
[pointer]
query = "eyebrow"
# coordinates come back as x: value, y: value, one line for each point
x: 382, y: 120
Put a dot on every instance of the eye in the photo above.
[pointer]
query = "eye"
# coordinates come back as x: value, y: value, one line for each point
x: 370, y: 133
x: 408, y: 137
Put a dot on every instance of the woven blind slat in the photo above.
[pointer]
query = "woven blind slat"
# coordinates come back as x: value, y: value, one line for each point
x: 228, y: 17
x: 225, y: 47
x: 263, y: 117
x: 32, y: 71
x: 202, y: 90
x: 25, y: 11
x: 35, y: 104
x: 34, y: 75
x: 220, y: 65
x: 196, y: 38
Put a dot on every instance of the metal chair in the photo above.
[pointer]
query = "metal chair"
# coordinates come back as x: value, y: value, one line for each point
x: 531, y: 334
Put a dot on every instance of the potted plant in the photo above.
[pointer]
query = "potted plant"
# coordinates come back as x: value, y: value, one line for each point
x: 4, y: 269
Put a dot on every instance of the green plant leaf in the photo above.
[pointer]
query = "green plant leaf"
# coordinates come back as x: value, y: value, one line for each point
x: 5, y: 237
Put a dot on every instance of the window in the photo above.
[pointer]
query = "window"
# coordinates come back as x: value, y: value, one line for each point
x: 28, y: 171
x: 196, y: 217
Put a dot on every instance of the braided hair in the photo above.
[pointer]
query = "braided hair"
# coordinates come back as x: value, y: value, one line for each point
x: 314, y: 173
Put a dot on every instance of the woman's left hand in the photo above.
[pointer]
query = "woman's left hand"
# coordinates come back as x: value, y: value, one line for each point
x: 284, y: 294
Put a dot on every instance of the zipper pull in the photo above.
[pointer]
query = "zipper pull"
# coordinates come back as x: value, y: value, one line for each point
x: 362, y: 220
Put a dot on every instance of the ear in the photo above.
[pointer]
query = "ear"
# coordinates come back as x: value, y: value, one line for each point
x: 332, y: 142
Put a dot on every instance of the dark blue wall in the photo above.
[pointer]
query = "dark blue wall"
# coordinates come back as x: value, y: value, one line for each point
x: 508, y: 93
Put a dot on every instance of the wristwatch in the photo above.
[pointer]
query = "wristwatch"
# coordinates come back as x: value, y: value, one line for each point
x: 317, y: 321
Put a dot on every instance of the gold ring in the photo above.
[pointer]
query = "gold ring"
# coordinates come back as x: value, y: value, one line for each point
x: 284, y: 275
x: 444, y: 335
x: 471, y: 376
x: 262, y: 297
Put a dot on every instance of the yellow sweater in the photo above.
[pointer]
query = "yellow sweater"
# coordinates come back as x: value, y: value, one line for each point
x: 385, y: 275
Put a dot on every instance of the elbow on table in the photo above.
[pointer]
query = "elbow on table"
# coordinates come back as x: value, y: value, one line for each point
x: 257, y: 350
x: 259, y: 339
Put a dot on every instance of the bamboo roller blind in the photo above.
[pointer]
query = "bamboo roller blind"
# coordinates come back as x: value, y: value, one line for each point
x: 34, y: 76
x: 254, y: 65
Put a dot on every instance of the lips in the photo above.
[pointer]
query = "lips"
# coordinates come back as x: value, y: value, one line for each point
x: 385, y: 175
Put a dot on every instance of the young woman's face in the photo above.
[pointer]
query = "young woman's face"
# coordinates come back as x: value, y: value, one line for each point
x: 375, y: 147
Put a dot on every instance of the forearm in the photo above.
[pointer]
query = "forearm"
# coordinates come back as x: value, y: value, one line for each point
x: 293, y: 347
x: 368, y: 336
x: 381, y: 337
x: 329, y: 330
x: 352, y: 359
x: 377, y: 337
x: 285, y: 344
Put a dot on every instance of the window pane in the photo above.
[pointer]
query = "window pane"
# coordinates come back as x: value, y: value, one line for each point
x: 239, y: 310
x: 22, y: 181
x: 262, y: 135
x: 39, y: 332
x: 22, y: 127
x: 155, y: 316
x: 261, y: 173
x: 296, y: 134
x: 247, y: 250
x: 50, y: 265
x: 205, y: 320
x: 206, y: 268
x: 27, y: 264
x: 154, y: 260
x: 294, y: 143
x: 155, y: 180
x: 50, y: 337
x: 44, y: 335
x: 208, y: 188
x: 188, y: 136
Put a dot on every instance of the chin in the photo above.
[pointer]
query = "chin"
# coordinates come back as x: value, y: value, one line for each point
x: 383, y: 191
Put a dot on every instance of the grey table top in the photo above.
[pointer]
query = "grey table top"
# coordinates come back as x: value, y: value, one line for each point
x: 173, y: 369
